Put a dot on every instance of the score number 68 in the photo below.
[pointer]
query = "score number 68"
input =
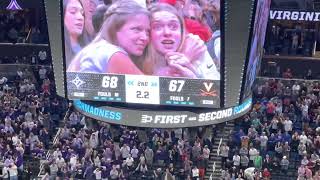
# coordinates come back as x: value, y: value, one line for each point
x: 110, y: 82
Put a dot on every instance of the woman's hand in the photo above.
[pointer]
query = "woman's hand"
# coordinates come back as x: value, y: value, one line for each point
x: 193, y: 47
x: 181, y: 64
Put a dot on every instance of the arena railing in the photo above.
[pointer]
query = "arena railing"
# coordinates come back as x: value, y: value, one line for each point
x: 213, y: 170
x: 287, y: 79
x: 24, y: 49
x: 55, y: 140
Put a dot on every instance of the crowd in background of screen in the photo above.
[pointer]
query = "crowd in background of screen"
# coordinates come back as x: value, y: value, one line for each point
x: 171, y: 38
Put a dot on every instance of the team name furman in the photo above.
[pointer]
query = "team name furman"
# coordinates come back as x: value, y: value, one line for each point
x: 294, y: 15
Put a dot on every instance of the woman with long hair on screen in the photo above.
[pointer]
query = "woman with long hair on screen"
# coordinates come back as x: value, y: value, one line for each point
x: 73, y: 28
x: 120, y: 45
x: 170, y: 47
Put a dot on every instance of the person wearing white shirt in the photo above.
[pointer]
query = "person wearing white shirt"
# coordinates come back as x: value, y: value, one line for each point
x: 57, y: 153
x: 236, y: 160
x: 15, y: 140
x: 94, y: 140
x: 3, y: 80
x: 97, y: 161
x: 97, y: 173
x: 263, y: 141
x: 249, y: 173
x: 287, y: 125
x: 114, y: 174
x: 253, y: 153
x: 5, y: 174
x: 195, y: 173
x: 73, y: 162
x: 60, y: 161
x: 305, y: 109
x: 129, y: 161
x: 296, y: 89
x: 13, y: 172
x: 42, y: 55
x: 224, y: 153
x: 134, y: 152
x: 125, y: 151
x: 303, y: 138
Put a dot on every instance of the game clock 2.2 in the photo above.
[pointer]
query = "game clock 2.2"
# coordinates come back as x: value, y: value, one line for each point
x: 144, y: 89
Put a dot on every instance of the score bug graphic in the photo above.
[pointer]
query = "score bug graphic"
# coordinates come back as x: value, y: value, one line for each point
x: 142, y: 89
x: 189, y: 92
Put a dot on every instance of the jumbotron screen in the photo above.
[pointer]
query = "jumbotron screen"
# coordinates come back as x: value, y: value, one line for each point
x: 153, y: 63
x: 134, y: 52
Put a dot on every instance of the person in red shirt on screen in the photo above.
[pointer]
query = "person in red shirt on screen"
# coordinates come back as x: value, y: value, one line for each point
x: 192, y: 17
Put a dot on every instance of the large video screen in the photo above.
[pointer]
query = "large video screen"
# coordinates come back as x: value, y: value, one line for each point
x: 257, y: 42
x: 148, y: 52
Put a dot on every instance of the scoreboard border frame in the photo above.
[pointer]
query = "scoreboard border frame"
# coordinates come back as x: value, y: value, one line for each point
x: 244, y: 77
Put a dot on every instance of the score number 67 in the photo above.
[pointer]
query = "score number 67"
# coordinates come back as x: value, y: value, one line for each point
x: 176, y: 85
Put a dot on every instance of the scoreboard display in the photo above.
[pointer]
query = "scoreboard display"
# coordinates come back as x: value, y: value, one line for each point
x: 143, y: 89
x: 149, y: 59
x: 161, y: 63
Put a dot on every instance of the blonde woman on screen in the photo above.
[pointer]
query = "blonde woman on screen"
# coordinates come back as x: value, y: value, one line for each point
x: 120, y: 45
x: 170, y: 47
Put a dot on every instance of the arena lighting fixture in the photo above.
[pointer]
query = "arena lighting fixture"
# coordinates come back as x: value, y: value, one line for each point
x: 14, y: 5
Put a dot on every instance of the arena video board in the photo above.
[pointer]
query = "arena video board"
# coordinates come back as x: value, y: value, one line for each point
x: 142, y: 53
x: 257, y: 41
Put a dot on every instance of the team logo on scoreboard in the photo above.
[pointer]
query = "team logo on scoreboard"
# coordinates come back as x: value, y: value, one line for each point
x: 208, y: 90
x: 77, y: 82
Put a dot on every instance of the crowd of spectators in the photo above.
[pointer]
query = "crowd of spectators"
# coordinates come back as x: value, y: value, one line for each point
x: 289, y: 41
x: 279, y: 135
x: 86, y: 150
x: 28, y: 107
x: 19, y: 27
